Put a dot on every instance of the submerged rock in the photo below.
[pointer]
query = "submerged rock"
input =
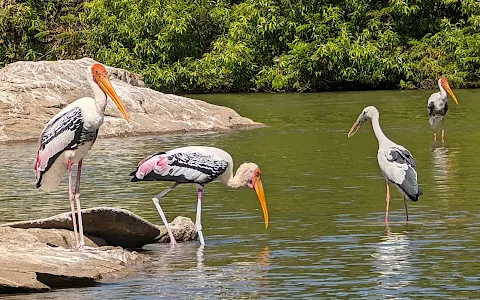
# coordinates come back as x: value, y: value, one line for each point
x: 31, y: 93
x: 36, y: 255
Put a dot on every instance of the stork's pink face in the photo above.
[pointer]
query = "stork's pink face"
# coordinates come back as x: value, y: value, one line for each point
x: 446, y: 86
x: 100, y: 76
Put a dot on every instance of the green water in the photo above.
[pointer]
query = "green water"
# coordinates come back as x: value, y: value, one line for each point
x: 326, y: 197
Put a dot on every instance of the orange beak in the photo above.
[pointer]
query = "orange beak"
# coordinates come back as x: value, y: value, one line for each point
x: 105, y: 84
x: 258, y: 187
x: 449, y: 90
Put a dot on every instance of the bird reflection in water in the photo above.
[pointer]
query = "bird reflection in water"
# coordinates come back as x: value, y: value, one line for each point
x: 208, y: 269
x: 441, y: 171
x: 394, y: 261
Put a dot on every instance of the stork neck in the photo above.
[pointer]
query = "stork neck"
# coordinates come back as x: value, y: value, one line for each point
x: 381, y: 138
x: 442, y: 91
x: 236, y: 181
x: 99, y: 96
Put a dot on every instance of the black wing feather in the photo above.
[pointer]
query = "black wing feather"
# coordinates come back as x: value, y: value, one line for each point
x: 409, y: 185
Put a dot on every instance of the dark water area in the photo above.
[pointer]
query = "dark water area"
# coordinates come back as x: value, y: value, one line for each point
x: 326, y: 197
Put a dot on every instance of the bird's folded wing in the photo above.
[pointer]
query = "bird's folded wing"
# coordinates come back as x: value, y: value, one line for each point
x: 60, y: 135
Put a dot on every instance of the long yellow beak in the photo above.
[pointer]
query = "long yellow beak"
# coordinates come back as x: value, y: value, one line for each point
x: 449, y: 90
x: 105, y: 84
x: 258, y: 187
x: 356, y: 126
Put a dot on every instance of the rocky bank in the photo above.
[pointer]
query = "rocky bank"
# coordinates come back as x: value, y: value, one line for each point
x: 36, y: 255
x: 31, y: 93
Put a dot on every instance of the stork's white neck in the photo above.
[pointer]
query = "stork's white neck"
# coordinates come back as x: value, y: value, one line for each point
x: 381, y: 138
x: 243, y: 174
x: 236, y: 182
x: 99, y: 96
x: 442, y: 90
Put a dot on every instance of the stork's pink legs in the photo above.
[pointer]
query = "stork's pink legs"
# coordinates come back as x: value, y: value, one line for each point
x: 77, y: 200
x: 71, y: 198
x: 406, y: 208
x: 388, y: 202
x: 198, y: 220
x: 443, y: 130
x: 160, y: 211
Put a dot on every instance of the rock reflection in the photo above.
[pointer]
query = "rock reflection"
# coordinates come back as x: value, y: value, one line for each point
x: 394, y: 261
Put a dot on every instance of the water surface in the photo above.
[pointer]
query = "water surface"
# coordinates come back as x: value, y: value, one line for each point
x: 326, y: 197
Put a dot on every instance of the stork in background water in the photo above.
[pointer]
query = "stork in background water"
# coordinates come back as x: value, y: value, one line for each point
x: 396, y: 162
x: 69, y: 135
x: 199, y: 165
x: 438, y: 106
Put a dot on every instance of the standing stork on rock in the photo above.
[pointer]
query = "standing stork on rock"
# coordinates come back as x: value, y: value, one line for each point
x: 438, y: 106
x: 396, y: 162
x: 199, y: 165
x: 69, y: 135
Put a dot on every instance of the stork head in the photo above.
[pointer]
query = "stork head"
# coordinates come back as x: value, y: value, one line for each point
x: 100, y: 77
x: 250, y: 175
x: 443, y: 82
x: 367, y: 114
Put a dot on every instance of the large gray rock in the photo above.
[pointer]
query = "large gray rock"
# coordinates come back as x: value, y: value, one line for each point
x: 114, y: 227
x: 28, y: 264
x: 36, y: 255
x: 31, y: 93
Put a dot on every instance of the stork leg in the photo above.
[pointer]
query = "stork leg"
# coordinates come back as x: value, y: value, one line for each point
x: 443, y: 129
x: 160, y: 211
x: 198, y: 220
x: 406, y: 207
x: 388, y: 202
x: 77, y: 200
x: 434, y: 126
x: 71, y: 198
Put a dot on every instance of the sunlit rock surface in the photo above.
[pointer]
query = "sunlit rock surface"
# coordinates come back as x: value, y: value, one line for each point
x: 31, y: 93
x: 36, y: 255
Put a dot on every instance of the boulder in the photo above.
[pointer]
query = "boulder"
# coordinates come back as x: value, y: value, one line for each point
x: 114, y: 227
x: 31, y: 93
x: 31, y: 265
x: 37, y: 255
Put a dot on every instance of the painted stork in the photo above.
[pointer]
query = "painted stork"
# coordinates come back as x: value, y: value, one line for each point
x: 199, y: 165
x: 396, y: 162
x: 69, y: 135
x: 438, y: 106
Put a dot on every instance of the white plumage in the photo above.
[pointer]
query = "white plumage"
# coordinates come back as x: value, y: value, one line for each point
x: 69, y: 135
x: 437, y: 106
x: 395, y: 161
x: 199, y: 165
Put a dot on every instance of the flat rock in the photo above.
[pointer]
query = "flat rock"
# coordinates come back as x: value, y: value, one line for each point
x: 112, y: 226
x: 30, y: 265
x: 31, y: 93
x: 36, y: 255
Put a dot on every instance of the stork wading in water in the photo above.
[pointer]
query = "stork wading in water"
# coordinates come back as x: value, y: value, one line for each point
x: 396, y: 162
x: 69, y: 135
x: 199, y: 165
x: 438, y: 106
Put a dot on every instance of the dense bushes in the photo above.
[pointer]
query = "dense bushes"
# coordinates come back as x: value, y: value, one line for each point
x: 266, y: 45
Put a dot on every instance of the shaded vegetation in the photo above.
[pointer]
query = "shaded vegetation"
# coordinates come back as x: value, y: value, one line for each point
x: 255, y: 45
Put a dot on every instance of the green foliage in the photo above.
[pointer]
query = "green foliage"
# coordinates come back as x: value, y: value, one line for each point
x: 256, y: 45
x: 40, y: 30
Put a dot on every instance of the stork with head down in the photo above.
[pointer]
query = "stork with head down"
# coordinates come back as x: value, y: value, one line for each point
x: 437, y: 106
x: 395, y: 161
x: 69, y: 135
x: 199, y: 165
